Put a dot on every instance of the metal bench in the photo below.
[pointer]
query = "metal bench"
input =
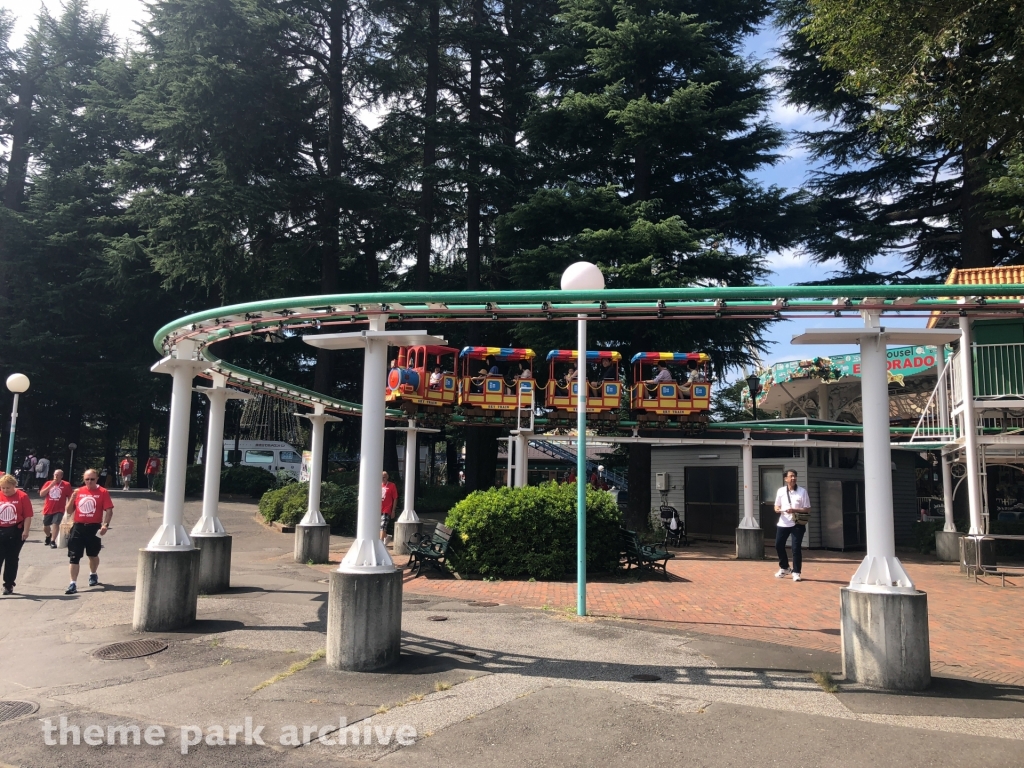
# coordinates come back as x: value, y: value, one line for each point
x: 647, y: 557
x: 432, y: 549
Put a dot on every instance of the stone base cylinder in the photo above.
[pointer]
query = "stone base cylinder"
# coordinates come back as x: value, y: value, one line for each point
x: 885, y: 639
x: 968, y: 554
x: 364, y: 621
x: 403, y: 533
x: 166, y: 590
x: 214, y: 563
x: 312, y: 543
x: 947, y: 546
x: 749, y: 544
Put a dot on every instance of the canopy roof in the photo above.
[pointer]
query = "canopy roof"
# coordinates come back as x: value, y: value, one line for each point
x: 433, y: 349
x: 592, y: 354
x: 498, y: 353
x: 670, y: 357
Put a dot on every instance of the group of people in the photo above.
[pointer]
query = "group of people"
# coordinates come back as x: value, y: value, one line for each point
x: 91, y: 506
x: 476, y: 383
x: 34, y: 471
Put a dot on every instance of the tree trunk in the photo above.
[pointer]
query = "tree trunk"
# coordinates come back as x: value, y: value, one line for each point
x: 638, y: 511
x: 451, y: 458
x: 473, y: 191
x: 391, y: 457
x: 17, y: 167
x: 976, y: 245
x: 423, y: 235
x: 481, y: 457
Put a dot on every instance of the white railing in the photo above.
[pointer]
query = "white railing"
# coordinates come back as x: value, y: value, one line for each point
x: 938, y: 423
x: 998, y: 371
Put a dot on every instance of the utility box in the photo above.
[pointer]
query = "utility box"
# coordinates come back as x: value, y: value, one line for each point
x: 661, y: 481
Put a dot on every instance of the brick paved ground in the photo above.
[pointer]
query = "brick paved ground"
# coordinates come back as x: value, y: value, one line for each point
x: 977, y: 630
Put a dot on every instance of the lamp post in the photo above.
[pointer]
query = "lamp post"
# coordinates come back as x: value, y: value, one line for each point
x: 16, y: 383
x: 753, y: 384
x: 581, y: 276
x: 71, y: 463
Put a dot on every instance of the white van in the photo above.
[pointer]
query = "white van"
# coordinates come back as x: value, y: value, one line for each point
x: 270, y: 455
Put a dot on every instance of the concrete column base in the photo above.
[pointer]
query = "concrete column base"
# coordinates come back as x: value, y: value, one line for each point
x: 214, y: 563
x: 403, y: 533
x: 166, y: 590
x: 749, y: 544
x: 312, y: 543
x: 364, y: 621
x: 947, y: 546
x: 968, y: 554
x: 885, y: 639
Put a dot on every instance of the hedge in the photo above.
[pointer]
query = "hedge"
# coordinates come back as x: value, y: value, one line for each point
x: 531, y: 532
x: 243, y: 481
x: 288, y: 505
x: 440, y: 498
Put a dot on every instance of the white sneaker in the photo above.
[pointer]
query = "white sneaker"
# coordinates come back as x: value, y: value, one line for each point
x: 783, y: 573
x: 797, y: 577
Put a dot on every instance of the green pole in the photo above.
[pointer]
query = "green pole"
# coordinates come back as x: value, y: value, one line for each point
x: 581, y: 467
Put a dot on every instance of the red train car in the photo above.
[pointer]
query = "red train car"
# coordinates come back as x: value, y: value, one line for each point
x: 423, y: 377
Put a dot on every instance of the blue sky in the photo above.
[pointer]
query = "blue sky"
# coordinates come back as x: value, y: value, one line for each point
x: 791, y: 172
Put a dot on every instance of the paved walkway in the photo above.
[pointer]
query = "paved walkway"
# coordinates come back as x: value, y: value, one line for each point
x: 975, y: 629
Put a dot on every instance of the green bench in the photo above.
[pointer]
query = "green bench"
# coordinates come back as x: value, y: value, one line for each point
x: 431, y: 549
x: 649, y: 557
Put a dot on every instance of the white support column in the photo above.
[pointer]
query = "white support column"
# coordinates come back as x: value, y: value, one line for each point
x: 824, y: 412
x: 944, y: 424
x: 881, y: 570
x: 509, y: 464
x: 183, y: 368
x: 412, y: 466
x: 522, y: 462
x: 318, y: 420
x: 970, y: 428
x: 218, y: 395
x: 947, y: 492
x: 748, y: 482
x: 368, y: 553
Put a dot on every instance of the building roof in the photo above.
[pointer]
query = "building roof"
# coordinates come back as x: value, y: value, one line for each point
x: 1009, y: 275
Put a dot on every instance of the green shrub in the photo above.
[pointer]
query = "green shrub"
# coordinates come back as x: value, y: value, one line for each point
x: 195, y: 481
x: 531, y: 532
x: 440, y: 498
x: 287, y: 505
x: 342, y: 477
x: 246, y: 481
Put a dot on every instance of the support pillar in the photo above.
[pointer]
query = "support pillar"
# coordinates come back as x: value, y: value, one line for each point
x: 749, y: 536
x: 208, y: 534
x: 313, y: 534
x: 167, y: 583
x: 970, y: 428
x: 522, y: 462
x: 408, y: 523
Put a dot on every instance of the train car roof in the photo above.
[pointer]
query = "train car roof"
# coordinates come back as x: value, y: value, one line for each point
x: 434, y: 349
x: 670, y: 357
x: 498, y: 353
x: 592, y: 354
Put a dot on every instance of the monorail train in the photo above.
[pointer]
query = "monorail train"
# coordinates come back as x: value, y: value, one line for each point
x: 494, y: 380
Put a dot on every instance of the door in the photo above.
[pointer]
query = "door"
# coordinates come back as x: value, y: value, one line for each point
x: 712, y: 502
x: 770, y: 482
x: 854, y: 535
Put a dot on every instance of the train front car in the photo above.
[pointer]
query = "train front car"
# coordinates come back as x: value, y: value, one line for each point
x: 672, y: 387
x: 604, y: 387
x: 422, y: 380
x: 495, y: 379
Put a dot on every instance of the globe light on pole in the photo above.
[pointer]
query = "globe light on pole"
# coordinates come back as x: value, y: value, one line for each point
x: 753, y: 384
x: 581, y: 276
x: 16, y: 383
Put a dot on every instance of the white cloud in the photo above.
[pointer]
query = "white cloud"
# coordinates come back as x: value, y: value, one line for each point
x: 122, y: 15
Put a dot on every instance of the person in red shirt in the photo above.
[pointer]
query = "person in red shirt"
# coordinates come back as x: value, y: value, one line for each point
x: 56, y: 492
x: 93, y: 510
x: 15, y: 521
x: 127, y: 470
x: 388, y: 498
x: 152, y: 470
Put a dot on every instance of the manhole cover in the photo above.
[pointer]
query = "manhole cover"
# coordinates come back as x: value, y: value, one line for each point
x: 9, y: 710
x: 437, y: 618
x: 484, y: 605
x: 415, y: 602
x: 646, y: 678
x: 133, y: 649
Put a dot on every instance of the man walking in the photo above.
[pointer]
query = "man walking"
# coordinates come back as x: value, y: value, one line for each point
x: 28, y: 471
x: 56, y: 492
x: 93, y: 509
x: 42, y: 470
x: 793, y: 506
x: 127, y: 469
x: 388, y: 498
x: 152, y: 470
x: 15, y: 521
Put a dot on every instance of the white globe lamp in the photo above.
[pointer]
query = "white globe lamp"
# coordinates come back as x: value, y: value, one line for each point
x: 17, y: 383
x: 582, y: 276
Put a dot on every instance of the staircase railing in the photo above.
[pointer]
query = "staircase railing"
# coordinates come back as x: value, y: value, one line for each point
x: 557, y: 451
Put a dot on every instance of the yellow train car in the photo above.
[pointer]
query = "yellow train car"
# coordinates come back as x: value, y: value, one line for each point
x: 562, y: 391
x: 483, y: 385
x: 657, y: 391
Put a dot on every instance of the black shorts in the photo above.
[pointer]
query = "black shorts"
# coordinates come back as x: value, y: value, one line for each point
x: 385, y: 521
x: 52, y: 518
x: 83, y: 540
